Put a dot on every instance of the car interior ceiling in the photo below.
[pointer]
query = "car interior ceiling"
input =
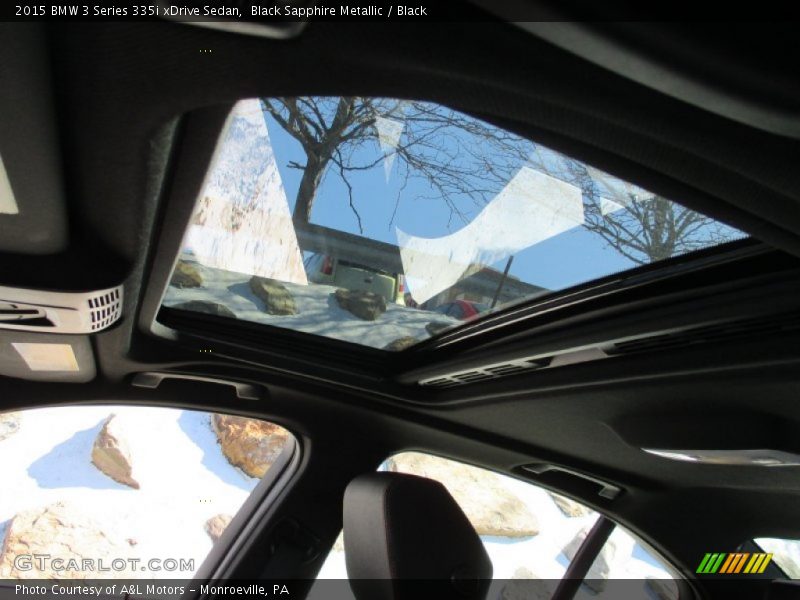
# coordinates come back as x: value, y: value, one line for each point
x: 107, y: 129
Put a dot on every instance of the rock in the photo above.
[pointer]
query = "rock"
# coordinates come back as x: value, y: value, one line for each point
x: 661, y: 589
x: 570, y: 508
x: 216, y: 525
x: 489, y: 505
x: 204, y: 306
x: 277, y: 299
x: 110, y: 454
x: 436, y: 327
x: 364, y: 305
x: 186, y: 276
x: 9, y: 424
x: 525, y: 585
x: 64, y: 532
x: 250, y: 444
x: 601, y: 567
x: 401, y: 343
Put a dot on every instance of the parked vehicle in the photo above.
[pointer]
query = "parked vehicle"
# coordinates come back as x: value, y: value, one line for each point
x: 461, y: 309
x: 329, y: 270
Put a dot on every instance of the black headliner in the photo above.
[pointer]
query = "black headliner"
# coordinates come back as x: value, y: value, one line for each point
x: 123, y: 91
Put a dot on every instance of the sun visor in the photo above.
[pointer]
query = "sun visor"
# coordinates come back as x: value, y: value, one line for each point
x: 46, y: 357
x: 33, y: 216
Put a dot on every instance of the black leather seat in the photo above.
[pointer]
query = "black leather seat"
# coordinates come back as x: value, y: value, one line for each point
x: 405, y: 537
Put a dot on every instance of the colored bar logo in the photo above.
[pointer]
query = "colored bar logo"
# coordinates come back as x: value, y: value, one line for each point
x: 736, y: 562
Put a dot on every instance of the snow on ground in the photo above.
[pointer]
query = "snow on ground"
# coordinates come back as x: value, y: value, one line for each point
x: 317, y: 311
x: 185, y: 479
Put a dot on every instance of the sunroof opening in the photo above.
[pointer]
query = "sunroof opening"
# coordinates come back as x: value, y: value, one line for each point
x: 384, y: 222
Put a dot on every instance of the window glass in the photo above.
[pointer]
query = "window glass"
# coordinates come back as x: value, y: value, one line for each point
x: 523, y: 527
x: 123, y: 492
x: 530, y: 533
x: 785, y: 554
x: 408, y: 205
x: 629, y: 562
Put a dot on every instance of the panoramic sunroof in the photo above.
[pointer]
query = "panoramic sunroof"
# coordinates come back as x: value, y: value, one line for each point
x: 384, y: 222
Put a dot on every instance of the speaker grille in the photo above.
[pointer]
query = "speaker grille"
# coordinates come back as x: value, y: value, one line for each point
x: 494, y: 371
x: 105, y: 309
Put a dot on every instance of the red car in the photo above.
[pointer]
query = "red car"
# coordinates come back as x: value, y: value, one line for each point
x: 462, y: 309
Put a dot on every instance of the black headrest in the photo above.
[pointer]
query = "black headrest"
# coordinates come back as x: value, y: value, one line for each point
x: 401, y: 529
x: 783, y: 590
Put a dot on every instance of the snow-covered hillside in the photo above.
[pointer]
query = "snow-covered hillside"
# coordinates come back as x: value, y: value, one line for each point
x: 242, y: 219
x: 317, y: 311
x: 184, y: 478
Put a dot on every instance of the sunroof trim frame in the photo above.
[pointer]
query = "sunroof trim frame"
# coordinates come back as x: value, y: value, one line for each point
x: 591, y: 290
x: 463, y: 329
x: 199, y: 131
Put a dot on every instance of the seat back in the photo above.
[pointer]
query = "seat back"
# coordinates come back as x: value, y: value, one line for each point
x: 404, y: 534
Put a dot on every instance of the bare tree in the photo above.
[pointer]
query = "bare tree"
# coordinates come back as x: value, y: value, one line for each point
x: 460, y: 158
x: 640, y: 225
x: 465, y: 161
x: 654, y: 228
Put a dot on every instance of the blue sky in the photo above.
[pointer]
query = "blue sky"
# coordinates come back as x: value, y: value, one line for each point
x: 559, y: 262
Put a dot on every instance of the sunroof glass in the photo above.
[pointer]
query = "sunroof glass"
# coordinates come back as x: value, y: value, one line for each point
x: 383, y: 222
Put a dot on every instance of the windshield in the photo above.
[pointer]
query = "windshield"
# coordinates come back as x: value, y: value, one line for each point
x: 361, y: 218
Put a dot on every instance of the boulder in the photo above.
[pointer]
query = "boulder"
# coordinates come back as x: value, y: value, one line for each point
x: 489, y: 505
x: 661, y: 589
x: 401, y: 343
x: 436, y: 327
x: 9, y: 424
x: 216, y: 525
x: 110, y: 454
x: 525, y: 585
x: 204, y: 306
x: 186, y: 276
x: 601, y: 567
x: 249, y: 444
x: 276, y: 298
x: 338, y: 545
x: 64, y: 532
x: 364, y: 305
x: 570, y: 508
